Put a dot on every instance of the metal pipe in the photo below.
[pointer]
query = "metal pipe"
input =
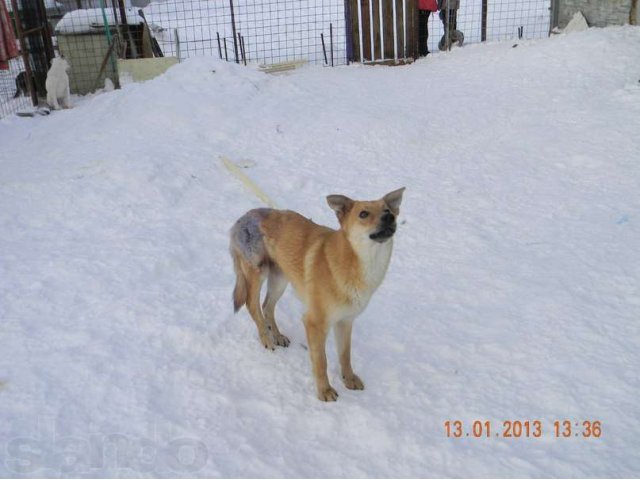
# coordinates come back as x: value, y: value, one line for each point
x: 404, y: 26
x: 360, y: 33
x: 349, y: 36
x: 447, y: 30
x: 395, y: 31
x: 110, y: 40
x: 233, y: 27
x: 483, y: 27
x: 324, y: 49
x: 244, y: 52
x: 331, y: 41
x: 381, y: 30
x: 178, y: 53
x: 373, y: 52
x: 219, y: 46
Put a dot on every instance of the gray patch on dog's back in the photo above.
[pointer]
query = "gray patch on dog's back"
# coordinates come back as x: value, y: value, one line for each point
x: 247, y: 237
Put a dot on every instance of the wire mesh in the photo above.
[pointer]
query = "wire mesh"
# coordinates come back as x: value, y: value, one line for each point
x: 505, y: 19
x: 94, y: 34
x: 271, y: 31
x: 14, y: 94
x: 17, y: 83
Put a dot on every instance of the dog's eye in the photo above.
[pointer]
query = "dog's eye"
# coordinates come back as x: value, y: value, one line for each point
x: 364, y: 214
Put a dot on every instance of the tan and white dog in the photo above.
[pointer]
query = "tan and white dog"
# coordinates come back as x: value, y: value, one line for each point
x: 334, y: 272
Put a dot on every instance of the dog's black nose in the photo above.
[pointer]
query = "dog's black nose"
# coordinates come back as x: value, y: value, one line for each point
x: 388, y: 217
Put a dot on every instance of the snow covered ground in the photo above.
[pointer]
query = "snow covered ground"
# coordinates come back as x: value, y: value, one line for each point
x: 513, y: 291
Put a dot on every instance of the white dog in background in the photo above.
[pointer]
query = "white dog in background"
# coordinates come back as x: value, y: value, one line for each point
x: 58, y: 84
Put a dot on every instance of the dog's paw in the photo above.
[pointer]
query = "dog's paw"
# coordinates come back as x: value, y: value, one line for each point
x: 266, y: 342
x: 353, y: 382
x: 281, y: 340
x: 328, y: 395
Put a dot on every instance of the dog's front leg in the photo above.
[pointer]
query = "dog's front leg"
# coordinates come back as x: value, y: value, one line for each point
x: 52, y: 100
x: 317, y: 329
x: 342, y: 332
x: 67, y: 98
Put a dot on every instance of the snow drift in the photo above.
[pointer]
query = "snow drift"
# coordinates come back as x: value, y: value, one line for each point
x: 512, y: 293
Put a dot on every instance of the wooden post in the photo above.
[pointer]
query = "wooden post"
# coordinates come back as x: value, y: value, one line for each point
x: 46, y: 32
x: 387, y: 15
x: 555, y: 12
x: 25, y: 53
x: 125, y: 26
x: 349, y: 29
x: 412, y: 25
x: 356, y: 26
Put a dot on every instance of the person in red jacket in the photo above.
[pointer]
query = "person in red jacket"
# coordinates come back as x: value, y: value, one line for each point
x: 425, y: 7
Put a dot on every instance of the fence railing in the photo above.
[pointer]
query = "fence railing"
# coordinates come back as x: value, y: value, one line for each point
x: 249, y: 31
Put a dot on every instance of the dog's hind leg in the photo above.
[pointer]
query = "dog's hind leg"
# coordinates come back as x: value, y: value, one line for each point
x: 254, y: 277
x: 66, y: 103
x: 276, y: 285
x: 52, y: 100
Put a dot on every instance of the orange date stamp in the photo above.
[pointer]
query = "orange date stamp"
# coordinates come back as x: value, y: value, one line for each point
x: 523, y: 429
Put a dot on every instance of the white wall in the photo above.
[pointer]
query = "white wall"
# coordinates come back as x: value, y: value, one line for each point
x: 599, y: 13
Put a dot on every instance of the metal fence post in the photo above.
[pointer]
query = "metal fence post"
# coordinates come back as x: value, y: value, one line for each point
x: 233, y: 28
x: 483, y: 26
x: 553, y: 17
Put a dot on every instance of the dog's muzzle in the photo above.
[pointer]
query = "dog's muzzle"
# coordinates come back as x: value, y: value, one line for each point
x: 386, y: 229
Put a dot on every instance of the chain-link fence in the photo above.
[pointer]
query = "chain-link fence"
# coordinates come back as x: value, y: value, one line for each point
x: 486, y: 20
x: 106, y: 41
x: 265, y: 32
x: 23, y: 65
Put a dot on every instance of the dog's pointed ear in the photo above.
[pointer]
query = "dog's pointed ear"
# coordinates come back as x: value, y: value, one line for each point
x: 394, y: 199
x: 340, y: 204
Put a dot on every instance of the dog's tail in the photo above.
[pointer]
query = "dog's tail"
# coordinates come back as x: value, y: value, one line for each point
x: 240, y: 290
x: 248, y: 252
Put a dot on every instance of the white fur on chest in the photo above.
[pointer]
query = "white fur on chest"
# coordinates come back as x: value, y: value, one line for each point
x: 57, y: 82
x: 374, y: 260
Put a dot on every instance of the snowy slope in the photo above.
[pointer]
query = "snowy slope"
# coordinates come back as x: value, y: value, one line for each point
x: 512, y: 293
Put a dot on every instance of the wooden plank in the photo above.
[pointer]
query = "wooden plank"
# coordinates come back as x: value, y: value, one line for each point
x: 355, y: 32
x: 366, y: 33
x: 412, y: 29
x: 400, y: 27
x: 282, y: 66
x: 387, y: 14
